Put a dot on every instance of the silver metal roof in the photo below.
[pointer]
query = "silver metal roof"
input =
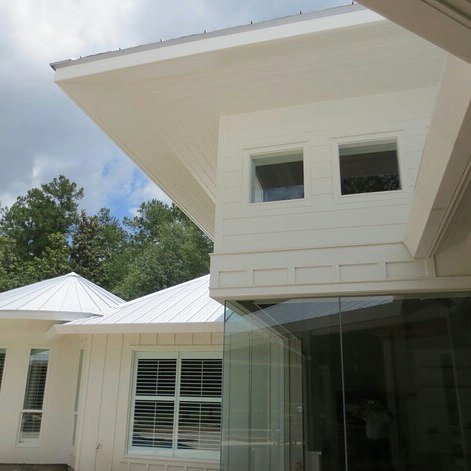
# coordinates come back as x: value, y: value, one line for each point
x: 65, y: 297
x: 185, y: 307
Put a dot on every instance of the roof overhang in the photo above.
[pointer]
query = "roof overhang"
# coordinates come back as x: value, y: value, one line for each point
x: 62, y: 316
x: 444, y: 176
x: 446, y: 23
x: 162, y: 103
x: 141, y: 328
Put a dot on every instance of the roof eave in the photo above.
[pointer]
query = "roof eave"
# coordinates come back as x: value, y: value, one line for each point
x: 315, y: 22
x: 141, y: 328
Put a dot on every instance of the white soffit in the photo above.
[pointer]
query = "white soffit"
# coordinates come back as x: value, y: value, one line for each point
x: 62, y: 298
x: 162, y: 103
x: 186, y: 307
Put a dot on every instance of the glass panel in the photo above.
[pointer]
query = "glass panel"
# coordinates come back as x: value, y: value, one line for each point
x: 369, y: 167
x: 153, y: 424
x: 283, y: 386
x: 199, y: 426
x: 408, y: 383
x: 30, y: 426
x: 386, y: 383
x: 278, y: 177
x: 156, y: 377
x: 201, y: 378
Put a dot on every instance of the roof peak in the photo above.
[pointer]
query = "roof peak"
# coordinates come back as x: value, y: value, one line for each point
x: 68, y: 294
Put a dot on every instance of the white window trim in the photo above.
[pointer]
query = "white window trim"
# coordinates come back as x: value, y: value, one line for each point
x: 250, y: 154
x: 141, y: 452
x: 369, y: 138
x: 78, y: 397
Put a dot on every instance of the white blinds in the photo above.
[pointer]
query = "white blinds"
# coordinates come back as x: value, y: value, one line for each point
x: 177, y: 405
x: 154, y: 404
x: 199, y: 423
x: 3, y: 353
x: 201, y: 378
x: 34, y: 396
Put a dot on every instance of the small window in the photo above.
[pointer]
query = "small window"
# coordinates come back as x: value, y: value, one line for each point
x: 176, y: 408
x: 369, y: 167
x: 3, y: 353
x: 31, y: 416
x: 277, y: 177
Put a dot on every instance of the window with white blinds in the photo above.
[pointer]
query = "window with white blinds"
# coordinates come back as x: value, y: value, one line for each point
x: 31, y: 416
x: 3, y: 353
x: 176, y: 408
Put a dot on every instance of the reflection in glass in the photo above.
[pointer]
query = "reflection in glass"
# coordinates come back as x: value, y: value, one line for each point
x: 365, y: 383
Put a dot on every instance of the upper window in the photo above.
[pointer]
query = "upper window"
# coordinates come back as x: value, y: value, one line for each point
x: 277, y: 177
x: 369, y: 167
x: 176, y: 408
x: 31, y: 416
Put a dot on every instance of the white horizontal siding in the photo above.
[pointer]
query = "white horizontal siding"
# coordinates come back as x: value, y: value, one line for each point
x: 325, y: 225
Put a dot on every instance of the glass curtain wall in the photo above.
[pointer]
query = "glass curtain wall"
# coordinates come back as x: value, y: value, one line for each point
x: 364, y: 383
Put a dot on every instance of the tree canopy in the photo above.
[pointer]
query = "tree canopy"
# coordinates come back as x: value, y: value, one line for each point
x: 46, y: 234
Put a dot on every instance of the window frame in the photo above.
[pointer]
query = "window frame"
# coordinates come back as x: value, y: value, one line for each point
x: 33, y: 442
x: 366, y: 139
x: 251, y: 154
x: 173, y: 452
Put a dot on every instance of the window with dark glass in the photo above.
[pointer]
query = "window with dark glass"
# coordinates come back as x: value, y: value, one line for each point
x: 3, y: 353
x: 380, y: 383
x: 277, y: 177
x: 369, y: 167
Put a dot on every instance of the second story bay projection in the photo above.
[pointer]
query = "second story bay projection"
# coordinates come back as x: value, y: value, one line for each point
x: 298, y: 145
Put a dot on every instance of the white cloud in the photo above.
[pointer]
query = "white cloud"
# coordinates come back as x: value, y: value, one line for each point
x: 42, y: 133
x: 43, y: 29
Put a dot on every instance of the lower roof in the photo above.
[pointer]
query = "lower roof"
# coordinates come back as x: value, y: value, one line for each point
x: 186, y: 307
x: 63, y: 298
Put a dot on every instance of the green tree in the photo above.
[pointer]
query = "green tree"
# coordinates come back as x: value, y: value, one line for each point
x: 167, y: 249
x: 34, y: 217
x: 99, y: 248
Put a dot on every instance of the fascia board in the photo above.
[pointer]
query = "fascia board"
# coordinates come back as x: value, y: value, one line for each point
x: 45, y: 315
x: 114, y: 61
x: 183, y: 327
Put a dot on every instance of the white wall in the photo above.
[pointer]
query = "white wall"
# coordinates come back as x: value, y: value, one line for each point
x: 326, y: 243
x: 105, y: 400
x: 18, y: 337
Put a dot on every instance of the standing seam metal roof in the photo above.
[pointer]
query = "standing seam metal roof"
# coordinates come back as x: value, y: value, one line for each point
x: 69, y: 293
x: 186, y: 303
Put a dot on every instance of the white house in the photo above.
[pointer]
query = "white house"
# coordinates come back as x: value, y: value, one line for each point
x: 86, y: 377
x: 151, y: 388
x: 328, y: 156
x: 39, y: 375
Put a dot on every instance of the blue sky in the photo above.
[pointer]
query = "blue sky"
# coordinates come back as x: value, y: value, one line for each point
x: 43, y: 134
